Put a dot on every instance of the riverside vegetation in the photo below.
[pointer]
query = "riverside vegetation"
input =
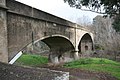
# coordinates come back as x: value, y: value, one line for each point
x: 90, y: 64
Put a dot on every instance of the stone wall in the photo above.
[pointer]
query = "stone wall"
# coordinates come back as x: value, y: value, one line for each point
x: 23, y: 9
x: 22, y: 30
x: 2, y: 2
x: 3, y: 33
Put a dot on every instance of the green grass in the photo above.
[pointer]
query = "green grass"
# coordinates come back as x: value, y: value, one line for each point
x: 97, y: 64
x: 92, y: 64
x: 31, y: 60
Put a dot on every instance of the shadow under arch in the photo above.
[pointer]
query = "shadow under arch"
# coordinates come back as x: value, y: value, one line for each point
x: 58, y: 46
x: 86, y: 43
x: 58, y: 42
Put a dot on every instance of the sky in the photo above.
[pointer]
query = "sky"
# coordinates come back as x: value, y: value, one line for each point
x: 60, y: 9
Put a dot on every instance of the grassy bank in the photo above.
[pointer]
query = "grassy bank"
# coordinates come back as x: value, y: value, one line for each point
x: 97, y: 64
x: 31, y: 60
x: 91, y: 64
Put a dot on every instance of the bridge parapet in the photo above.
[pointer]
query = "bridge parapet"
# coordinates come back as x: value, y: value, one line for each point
x: 28, y: 11
x: 20, y: 8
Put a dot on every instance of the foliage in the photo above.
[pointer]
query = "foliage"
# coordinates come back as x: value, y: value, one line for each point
x: 31, y: 60
x: 109, y: 7
x: 99, y: 47
x: 97, y: 64
x: 116, y: 24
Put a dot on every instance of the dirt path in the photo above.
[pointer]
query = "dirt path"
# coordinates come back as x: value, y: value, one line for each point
x: 11, y: 72
x: 78, y: 74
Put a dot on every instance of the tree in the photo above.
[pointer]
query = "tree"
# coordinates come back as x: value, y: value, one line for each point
x: 103, y: 31
x: 106, y: 7
x: 116, y: 24
x: 111, y: 7
x: 84, y: 21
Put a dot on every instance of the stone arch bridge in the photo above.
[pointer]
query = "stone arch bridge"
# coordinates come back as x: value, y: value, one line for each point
x: 21, y: 25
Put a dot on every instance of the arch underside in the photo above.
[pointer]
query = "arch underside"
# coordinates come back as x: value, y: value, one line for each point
x: 58, y: 43
x: 58, y: 46
x: 86, y: 43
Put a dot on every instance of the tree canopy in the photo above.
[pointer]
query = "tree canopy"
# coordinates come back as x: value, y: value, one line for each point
x: 106, y: 7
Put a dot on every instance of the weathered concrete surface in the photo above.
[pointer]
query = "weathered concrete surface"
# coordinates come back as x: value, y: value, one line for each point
x: 24, y: 24
x: 23, y: 30
x: 3, y: 34
x: 29, y: 11
x: 2, y: 2
x: 11, y: 72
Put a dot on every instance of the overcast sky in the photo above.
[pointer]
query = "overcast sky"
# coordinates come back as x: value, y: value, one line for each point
x: 59, y: 8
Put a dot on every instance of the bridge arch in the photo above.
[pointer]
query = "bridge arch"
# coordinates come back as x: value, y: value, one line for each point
x: 86, y: 43
x: 58, y: 42
x: 58, y: 45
